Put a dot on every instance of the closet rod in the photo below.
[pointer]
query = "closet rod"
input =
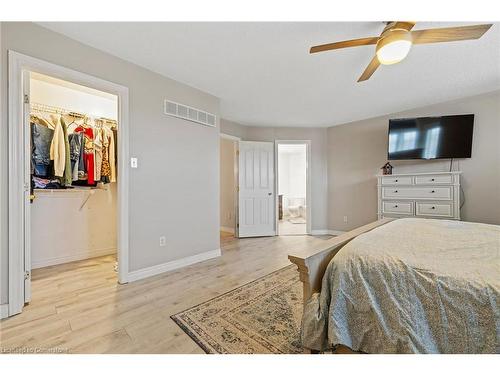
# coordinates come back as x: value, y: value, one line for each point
x: 64, y: 111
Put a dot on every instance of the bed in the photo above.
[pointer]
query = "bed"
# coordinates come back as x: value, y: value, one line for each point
x: 404, y: 286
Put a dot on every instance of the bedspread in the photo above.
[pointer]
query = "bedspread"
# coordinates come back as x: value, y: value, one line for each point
x: 411, y: 286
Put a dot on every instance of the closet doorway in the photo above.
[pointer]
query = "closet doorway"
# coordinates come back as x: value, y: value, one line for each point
x: 68, y: 182
x: 293, y: 188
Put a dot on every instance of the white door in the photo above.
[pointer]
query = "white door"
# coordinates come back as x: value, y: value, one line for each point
x: 256, y: 189
x: 27, y: 186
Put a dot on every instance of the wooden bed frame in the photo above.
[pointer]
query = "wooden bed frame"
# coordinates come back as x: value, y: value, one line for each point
x: 312, y: 263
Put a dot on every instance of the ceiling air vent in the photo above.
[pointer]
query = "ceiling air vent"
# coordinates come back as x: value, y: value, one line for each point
x: 189, y: 113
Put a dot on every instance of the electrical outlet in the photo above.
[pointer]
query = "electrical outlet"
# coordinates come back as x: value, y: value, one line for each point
x: 163, y: 241
x: 345, y: 219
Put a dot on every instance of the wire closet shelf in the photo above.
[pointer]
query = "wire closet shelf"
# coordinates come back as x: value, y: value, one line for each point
x: 39, y: 107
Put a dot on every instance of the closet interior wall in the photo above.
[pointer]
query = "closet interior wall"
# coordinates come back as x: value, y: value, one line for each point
x: 81, y: 222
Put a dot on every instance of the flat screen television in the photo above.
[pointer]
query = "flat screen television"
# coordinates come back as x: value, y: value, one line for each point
x: 443, y: 137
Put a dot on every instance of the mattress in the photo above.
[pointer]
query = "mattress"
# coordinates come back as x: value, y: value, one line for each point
x: 411, y: 286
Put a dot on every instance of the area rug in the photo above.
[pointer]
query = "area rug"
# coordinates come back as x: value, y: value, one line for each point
x: 262, y: 316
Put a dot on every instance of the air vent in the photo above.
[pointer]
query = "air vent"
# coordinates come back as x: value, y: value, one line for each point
x: 189, y: 113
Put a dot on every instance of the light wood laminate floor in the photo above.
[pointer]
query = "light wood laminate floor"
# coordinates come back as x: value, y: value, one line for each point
x: 289, y: 229
x: 79, y: 307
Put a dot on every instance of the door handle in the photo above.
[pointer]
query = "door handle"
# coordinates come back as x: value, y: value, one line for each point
x: 269, y: 193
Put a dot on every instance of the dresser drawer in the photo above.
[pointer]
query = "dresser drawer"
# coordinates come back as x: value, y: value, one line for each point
x: 443, y: 192
x: 397, y: 208
x: 394, y: 180
x: 434, y: 209
x: 433, y: 179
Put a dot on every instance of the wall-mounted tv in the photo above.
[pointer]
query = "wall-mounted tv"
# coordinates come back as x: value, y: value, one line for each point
x: 443, y: 137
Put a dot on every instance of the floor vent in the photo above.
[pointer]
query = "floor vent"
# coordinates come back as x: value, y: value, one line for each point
x: 189, y: 113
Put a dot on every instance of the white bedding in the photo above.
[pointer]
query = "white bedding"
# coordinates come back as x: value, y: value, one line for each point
x: 411, y: 286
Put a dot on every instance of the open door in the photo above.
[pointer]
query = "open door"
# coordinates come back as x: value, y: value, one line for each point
x: 256, y: 189
x: 27, y: 186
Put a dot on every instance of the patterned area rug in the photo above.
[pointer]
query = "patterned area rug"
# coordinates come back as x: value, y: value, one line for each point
x: 260, y: 317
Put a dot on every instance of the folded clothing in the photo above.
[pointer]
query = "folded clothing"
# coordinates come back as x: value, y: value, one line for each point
x: 43, y: 183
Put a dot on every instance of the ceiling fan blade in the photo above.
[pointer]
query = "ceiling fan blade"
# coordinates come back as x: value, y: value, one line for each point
x: 370, y: 69
x: 344, y: 44
x: 406, y: 25
x: 449, y: 34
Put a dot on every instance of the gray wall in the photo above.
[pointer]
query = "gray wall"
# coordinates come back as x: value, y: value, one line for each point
x: 233, y: 128
x: 357, y: 150
x: 318, y: 138
x: 176, y: 157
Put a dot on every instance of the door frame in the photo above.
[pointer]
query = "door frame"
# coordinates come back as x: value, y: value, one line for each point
x: 236, y: 177
x: 307, y: 142
x: 19, y: 63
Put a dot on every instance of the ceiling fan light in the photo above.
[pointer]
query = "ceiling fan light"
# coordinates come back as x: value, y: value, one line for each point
x: 394, y: 47
x: 394, y: 52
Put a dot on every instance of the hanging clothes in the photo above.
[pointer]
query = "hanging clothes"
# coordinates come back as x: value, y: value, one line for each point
x: 106, y: 168
x: 109, y: 161
x: 82, y: 173
x: 41, y: 138
x: 98, y: 152
x: 68, y: 175
x: 115, y: 160
x: 88, y: 152
x: 58, y: 146
x: 70, y: 153
x: 75, y: 147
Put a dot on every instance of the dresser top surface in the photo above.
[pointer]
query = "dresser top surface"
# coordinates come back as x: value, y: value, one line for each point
x: 419, y: 174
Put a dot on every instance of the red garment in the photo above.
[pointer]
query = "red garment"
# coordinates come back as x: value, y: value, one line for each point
x: 88, y: 152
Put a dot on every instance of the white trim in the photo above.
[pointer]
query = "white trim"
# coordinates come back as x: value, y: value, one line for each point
x: 4, y: 311
x: 73, y: 257
x: 17, y: 64
x: 324, y: 232
x: 228, y: 136
x: 172, y: 265
x: 227, y: 229
x: 307, y: 142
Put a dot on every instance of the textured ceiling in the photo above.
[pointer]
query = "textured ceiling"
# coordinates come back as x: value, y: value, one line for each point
x: 264, y: 75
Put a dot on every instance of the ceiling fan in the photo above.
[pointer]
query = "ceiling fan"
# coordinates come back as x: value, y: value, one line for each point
x: 396, y: 40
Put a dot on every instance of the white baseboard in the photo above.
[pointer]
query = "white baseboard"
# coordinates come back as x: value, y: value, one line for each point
x: 72, y: 258
x: 172, y: 265
x: 4, y: 311
x: 323, y: 232
x: 227, y: 229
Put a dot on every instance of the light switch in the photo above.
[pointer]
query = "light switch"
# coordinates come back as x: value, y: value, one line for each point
x: 133, y: 162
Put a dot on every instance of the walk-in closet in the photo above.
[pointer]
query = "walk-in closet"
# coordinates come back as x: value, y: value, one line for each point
x: 74, y: 153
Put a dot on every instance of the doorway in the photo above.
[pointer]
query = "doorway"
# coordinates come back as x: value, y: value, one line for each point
x: 228, y: 185
x: 53, y: 109
x: 293, y: 191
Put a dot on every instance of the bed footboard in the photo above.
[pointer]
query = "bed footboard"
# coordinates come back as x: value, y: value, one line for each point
x: 312, y: 263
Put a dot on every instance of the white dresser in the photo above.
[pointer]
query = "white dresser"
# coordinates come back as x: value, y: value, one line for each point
x: 434, y: 195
